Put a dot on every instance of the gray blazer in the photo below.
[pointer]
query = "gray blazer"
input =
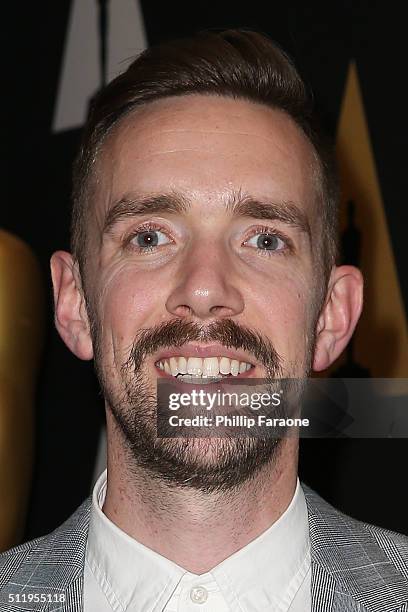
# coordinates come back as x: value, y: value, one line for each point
x: 355, y: 567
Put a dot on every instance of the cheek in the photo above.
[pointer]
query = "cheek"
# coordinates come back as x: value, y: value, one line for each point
x: 285, y: 305
x: 128, y: 300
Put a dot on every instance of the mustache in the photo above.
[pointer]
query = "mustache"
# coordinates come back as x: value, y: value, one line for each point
x: 225, y: 332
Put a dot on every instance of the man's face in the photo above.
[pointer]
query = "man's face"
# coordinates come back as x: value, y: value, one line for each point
x: 202, y: 246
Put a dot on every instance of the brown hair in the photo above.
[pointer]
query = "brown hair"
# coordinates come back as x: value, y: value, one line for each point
x: 234, y: 63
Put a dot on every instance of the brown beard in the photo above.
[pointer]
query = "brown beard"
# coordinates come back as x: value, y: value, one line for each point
x: 207, y: 465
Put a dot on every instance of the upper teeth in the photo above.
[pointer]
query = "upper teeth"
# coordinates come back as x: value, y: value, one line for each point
x: 209, y: 366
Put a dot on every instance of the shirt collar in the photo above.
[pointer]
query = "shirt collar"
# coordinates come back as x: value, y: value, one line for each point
x: 267, y: 571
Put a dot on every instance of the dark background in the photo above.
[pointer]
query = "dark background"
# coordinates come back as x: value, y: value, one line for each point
x: 365, y: 478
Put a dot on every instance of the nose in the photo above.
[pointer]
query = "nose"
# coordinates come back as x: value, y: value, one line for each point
x: 205, y: 288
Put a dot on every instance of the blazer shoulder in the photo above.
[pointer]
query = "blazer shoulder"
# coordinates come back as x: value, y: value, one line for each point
x: 362, y: 561
x: 324, y: 515
x: 11, y: 560
x: 62, y: 548
x: 393, y: 544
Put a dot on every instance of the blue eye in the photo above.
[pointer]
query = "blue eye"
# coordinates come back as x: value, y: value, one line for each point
x: 266, y: 242
x: 150, y: 238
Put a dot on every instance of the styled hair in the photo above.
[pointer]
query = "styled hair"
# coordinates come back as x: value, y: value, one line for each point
x: 234, y: 63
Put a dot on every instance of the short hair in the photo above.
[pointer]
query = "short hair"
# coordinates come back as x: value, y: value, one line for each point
x: 236, y: 64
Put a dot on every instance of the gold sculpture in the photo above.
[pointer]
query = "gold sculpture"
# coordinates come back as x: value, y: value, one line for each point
x: 21, y: 335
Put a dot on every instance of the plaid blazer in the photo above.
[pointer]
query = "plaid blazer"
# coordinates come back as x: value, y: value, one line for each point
x: 355, y: 567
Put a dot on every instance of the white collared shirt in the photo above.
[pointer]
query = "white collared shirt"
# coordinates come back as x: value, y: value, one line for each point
x: 271, y: 573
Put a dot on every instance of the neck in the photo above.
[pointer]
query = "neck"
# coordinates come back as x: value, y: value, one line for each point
x: 178, y: 522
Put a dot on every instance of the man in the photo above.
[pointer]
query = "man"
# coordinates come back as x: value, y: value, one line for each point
x: 204, y: 236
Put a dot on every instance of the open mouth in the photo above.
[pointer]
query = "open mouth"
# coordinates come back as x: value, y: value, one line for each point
x: 207, y: 369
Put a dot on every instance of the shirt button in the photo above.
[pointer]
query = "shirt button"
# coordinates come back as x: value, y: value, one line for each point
x: 199, y: 595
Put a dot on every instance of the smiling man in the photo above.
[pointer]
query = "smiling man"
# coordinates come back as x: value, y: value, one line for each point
x: 204, y: 246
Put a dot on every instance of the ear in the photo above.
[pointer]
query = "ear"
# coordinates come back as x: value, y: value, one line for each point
x: 71, y: 318
x: 339, y: 315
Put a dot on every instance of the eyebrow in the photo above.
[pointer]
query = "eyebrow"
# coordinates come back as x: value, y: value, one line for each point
x: 236, y: 205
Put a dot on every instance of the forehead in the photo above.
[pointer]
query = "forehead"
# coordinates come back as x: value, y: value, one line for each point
x: 205, y: 147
